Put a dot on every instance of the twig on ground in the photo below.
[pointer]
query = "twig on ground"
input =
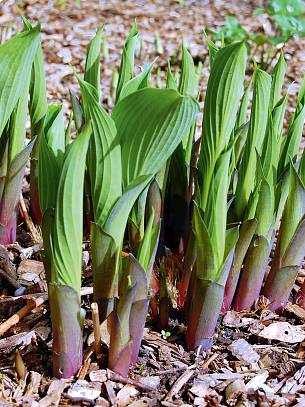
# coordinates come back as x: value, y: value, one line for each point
x: 14, y: 319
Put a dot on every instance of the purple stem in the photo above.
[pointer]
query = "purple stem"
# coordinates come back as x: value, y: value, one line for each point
x: 252, y: 275
x: 67, y: 326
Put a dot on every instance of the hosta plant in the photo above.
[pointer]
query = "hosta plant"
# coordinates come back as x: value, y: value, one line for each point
x: 125, y: 152
x: 213, y: 242
x: 61, y: 180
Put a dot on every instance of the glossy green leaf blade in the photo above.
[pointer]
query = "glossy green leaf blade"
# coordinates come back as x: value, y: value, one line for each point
x: 77, y: 111
x: 293, y: 212
x: 92, y: 67
x: 220, y: 109
x: 215, y: 214
x: 116, y: 221
x: 188, y: 82
x: 170, y: 81
x: 127, y: 60
x: 243, y: 108
x: 278, y: 75
x: 17, y: 127
x: 256, y: 133
x: 213, y: 49
x: 291, y: 142
x: 104, y: 156
x: 38, y: 93
x: 16, y: 59
x: 150, y: 125
x: 206, y: 262
x: 38, y: 108
x: 51, y: 151
x: 68, y: 221
x: 139, y: 82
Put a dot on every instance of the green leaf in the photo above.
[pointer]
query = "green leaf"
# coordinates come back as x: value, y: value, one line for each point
x: 278, y: 75
x: 116, y: 221
x: 148, y: 243
x: 51, y: 154
x: 68, y: 221
x: 139, y: 82
x: 77, y: 111
x: 38, y: 105
x: 265, y: 209
x: 16, y: 59
x: 232, y: 235
x: 294, y: 210
x: 213, y: 49
x: 17, y: 126
x: 243, y: 109
x: 127, y: 60
x: 294, y: 253
x: 92, y: 67
x: 150, y: 125
x: 170, y: 81
x: 256, y: 133
x: 292, y: 141
x: 104, y: 155
x: 215, y: 214
x: 205, y: 262
x: 220, y: 108
x: 188, y: 82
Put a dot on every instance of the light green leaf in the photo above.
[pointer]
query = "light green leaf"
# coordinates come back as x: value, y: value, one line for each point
x: 294, y: 210
x: 170, y: 81
x: 38, y: 105
x: 205, y: 262
x: 127, y: 60
x: 278, y: 75
x: 16, y: 59
x: 139, y: 82
x: 104, y: 155
x: 68, y: 221
x: 92, y: 67
x: 188, y: 78
x: 256, y: 133
x: 51, y: 153
x: 220, y: 109
x: 150, y: 125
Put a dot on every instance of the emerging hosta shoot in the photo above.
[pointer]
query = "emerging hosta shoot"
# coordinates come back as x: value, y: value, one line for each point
x: 214, y: 244
x: 61, y: 180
